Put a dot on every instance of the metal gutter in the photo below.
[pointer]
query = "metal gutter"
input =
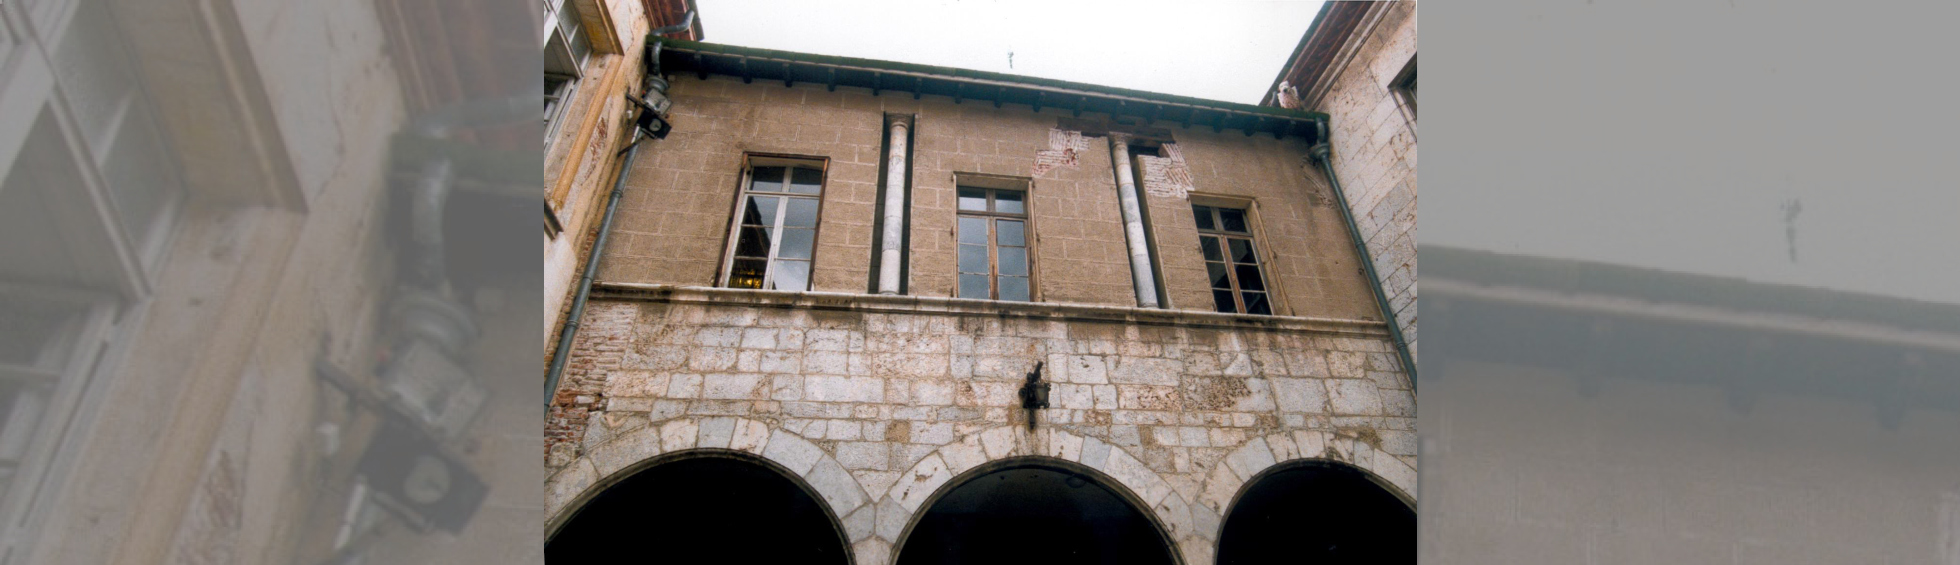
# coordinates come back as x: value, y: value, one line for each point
x: 1588, y: 278
x: 1321, y: 154
x: 1699, y: 314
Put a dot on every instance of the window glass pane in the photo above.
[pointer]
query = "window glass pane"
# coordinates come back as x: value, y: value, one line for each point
x: 754, y: 242
x: 791, y: 275
x: 567, y: 16
x: 973, y: 200
x: 32, y: 327
x: 761, y: 211
x: 1008, y: 202
x: 1219, y: 278
x: 135, y: 174
x: 1249, y: 278
x: 797, y: 243
x: 1224, y: 300
x: 1211, y: 249
x: 973, y: 230
x: 768, y: 179
x: 973, y: 259
x: 805, y: 180
x: 558, y: 55
x: 1014, y: 261
x: 1009, y: 232
x: 1014, y: 288
x: 746, y: 274
x: 802, y: 213
x: 1203, y: 215
x: 569, y: 24
x: 1231, y: 220
x: 581, y: 46
x: 1255, y: 303
x: 974, y: 286
x: 1242, y: 251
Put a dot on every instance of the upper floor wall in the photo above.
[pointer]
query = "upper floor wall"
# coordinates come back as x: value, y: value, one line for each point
x: 675, y: 225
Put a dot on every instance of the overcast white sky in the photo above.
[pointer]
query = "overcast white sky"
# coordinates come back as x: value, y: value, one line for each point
x: 1650, y: 138
x: 1221, y: 50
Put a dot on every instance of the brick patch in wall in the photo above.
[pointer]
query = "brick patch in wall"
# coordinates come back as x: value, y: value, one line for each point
x: 1063, y: 146
x: 1167, y: 176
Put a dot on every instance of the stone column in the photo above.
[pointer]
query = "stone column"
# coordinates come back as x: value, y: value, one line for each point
x: 889, y: 256
x: 1126, y: 187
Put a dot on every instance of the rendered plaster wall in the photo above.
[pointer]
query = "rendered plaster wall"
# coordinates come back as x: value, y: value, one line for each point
x: 582, y: 159
x: 878, y: 402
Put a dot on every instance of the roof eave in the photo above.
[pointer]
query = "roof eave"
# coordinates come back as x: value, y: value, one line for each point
x: 691, y: 56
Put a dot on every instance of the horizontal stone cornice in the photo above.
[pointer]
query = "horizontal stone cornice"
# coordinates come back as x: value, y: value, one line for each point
x: 932, y: 305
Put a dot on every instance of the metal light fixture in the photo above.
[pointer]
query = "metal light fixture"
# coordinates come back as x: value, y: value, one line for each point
x: 1034, y: 395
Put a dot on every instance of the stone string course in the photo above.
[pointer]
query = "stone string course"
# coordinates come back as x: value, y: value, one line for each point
x: 877, y: 405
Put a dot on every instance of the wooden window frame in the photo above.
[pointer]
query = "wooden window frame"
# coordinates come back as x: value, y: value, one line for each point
x: 558, y: 102
x: 1255, y: 235
x: 734, y: 233
x: 1404, y: 89
x: 993, y: 218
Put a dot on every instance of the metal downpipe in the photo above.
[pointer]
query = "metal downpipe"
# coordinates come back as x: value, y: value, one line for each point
x: 570, y: 330
x: 655, y: 84
x: 1321, y: 156
x: 1126, y: 189
x: 890, y: 256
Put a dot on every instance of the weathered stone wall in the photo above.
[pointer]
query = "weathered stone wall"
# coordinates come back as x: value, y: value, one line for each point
x: 877, y: 402
x: 673, y: 225
x: 1374, y: 154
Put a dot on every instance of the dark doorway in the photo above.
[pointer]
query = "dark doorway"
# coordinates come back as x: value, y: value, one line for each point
x: 1318, y: 513
x: 1034, y: 514
x: 711, y: 509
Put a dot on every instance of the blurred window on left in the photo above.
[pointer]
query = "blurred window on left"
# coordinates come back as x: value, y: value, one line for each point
x: 565, y: 51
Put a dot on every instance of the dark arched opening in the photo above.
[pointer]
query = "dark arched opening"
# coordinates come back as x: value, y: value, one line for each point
x: 1034, y: 512
x: 1317, y: 512
x: 702, y: 508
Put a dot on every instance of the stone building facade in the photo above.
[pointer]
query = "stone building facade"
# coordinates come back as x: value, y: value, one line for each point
x: 1357, y: 64
x: 882, y: 370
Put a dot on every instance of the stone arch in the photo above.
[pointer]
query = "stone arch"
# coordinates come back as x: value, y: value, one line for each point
x: 1375, y: 524
x: 981, y: 471
x: 1270, y: 453
x: 898, y: 508
x: 615, y: 512
x: 621, y: 456
x: 1222, y: 486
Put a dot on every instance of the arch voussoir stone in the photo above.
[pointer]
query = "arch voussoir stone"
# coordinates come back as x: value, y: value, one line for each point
x: 1223, y: 485
x: 624, y: 454
x: 1189, y: 526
